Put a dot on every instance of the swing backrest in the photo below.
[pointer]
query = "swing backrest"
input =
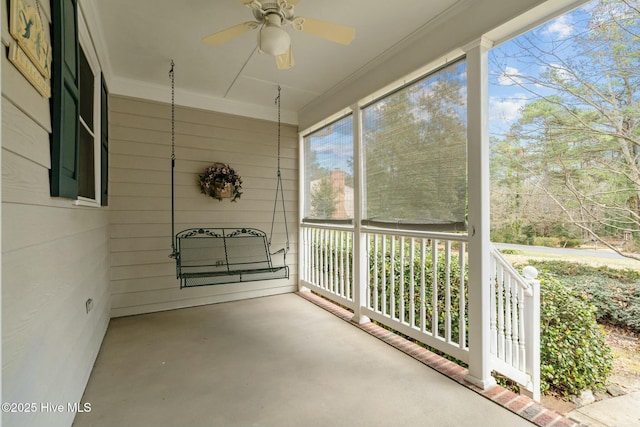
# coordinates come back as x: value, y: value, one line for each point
x: 214, y: 252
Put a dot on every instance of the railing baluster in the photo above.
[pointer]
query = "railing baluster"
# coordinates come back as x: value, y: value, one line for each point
x: 515, y: 330
x: 521, y: 332
x: 326, y: 260
x: 434, y: 291
x: 447, y: 290
x: 338, y: 267
x: 412, y: 284
x: 462, y: 339
x: 423, y: 292
x: 501, y: 297
x: 349, y: 250
x: 392, y: 281
x: 383, y: 308
x: 507, y: 321
x: 367, y: 272
x: 402, y: 270
x: 333, y: 288
x: 318, y: 259
x: 376, y: 281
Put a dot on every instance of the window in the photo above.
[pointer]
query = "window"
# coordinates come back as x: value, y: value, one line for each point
x: 79, y: 139
x: 415, y: 153
x: 329, y: 172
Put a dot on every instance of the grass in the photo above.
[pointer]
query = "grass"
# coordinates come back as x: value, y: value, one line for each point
x: 522, y: 256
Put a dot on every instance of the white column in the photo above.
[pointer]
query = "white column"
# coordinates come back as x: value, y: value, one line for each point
x: 478, y: 187
x: 360, y: 270
x: 302, y: 195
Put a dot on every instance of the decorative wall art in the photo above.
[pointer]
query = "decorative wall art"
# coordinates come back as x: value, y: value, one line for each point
x: 31, y: 53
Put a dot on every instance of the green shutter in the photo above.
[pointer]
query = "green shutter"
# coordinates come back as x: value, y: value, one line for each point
x: 64, y: 100
x: 104, y: 142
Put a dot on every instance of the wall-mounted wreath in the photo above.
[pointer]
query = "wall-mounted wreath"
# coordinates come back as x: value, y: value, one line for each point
x: 221, y: 181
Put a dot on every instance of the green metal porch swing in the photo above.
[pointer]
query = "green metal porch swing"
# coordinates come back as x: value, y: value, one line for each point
x: 215, y: 256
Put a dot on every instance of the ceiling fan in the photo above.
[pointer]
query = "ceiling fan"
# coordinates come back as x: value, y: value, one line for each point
x: 270, y: 16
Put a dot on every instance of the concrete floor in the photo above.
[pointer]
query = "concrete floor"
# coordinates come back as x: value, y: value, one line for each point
x: 274, y: 361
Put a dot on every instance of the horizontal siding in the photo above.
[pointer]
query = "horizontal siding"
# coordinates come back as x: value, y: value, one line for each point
x: 143, y: 277
x: 54, y: 257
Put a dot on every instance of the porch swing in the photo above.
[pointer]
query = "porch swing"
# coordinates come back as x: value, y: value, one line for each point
x: 215, y: 256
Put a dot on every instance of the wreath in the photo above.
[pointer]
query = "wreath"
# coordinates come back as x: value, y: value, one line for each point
x: 220, y: 181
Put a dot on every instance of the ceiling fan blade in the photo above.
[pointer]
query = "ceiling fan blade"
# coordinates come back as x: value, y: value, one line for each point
x: 285, y: 61
x: 225, y: 35
x: 327, y: 30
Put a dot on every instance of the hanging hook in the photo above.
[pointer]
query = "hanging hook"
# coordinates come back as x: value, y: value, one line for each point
x: 171, y: 70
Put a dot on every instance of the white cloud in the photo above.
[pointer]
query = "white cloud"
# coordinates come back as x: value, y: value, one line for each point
x: 510, y: 77
x: 562, y: 73
x: 561, y: 27
x: 506, y: 109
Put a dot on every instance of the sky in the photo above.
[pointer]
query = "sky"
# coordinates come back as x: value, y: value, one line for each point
x: 506, y: 96
x: 506, y: 64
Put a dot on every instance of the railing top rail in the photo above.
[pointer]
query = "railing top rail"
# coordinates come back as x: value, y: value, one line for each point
x: 458, y: 237
x: 524, y: 283
x: 345, y: 227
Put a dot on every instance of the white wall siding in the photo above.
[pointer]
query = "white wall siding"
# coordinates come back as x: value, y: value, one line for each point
x: 54, y: 257
x: 143, y: 276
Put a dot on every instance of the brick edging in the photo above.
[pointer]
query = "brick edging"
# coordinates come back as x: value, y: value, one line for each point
x: 520, y: 405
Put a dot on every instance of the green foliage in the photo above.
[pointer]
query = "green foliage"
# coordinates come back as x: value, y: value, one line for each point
x: 549, y: 242
x: 510, y: 251
x: 323, y: 199
x: 415, y: 150
x: 574, y: 355
x: 415, y: 273
x: 569, y: 162
x: 614, y: 293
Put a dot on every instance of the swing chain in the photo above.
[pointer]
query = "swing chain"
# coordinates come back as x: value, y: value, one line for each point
x: 279, y: 188
x: 174, y: 252
x: 173, y: 111
x: 278, y: 104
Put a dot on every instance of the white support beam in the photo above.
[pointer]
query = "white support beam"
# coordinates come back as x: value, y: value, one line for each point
x: 478, y: 188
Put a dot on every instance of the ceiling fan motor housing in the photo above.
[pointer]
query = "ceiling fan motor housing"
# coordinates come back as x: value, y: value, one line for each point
x: 284, y: 10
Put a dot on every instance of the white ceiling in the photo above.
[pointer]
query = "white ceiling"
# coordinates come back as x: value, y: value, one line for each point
x: 141, y: 37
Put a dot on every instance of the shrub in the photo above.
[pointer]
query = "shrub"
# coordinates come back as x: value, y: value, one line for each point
x: 570, y: 243
x: 573, y: 352
x: 549, y: 242
x: 404, y: 272
x: 614, y: 293
x: 511, y: 251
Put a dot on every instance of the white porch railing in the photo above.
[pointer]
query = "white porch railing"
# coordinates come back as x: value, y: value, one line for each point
x: 417, y: 285
x: 515, y: 323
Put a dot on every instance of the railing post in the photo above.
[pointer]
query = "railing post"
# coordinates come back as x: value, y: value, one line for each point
x: 478, y: 195
x: 360, y: 255
x: 532, y: 331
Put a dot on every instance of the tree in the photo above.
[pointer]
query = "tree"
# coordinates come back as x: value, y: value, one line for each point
x: 580, y: 140
x: 415, y: 151
x: 323, y: 198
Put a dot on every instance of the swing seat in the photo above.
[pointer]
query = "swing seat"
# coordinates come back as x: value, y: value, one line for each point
x: 214, y: 256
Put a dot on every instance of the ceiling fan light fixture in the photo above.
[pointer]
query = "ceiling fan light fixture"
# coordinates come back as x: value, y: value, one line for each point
x: 272, y: 39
